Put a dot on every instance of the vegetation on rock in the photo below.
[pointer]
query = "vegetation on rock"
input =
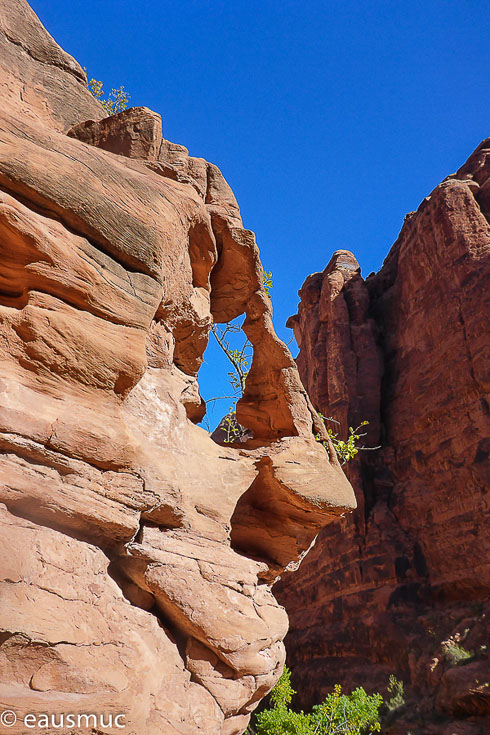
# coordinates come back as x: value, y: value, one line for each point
x: 339, y: 714
x: 346, y: 450
x: 115, y: 102
x: 454, y: 652
x: 240, y: 358
x: 397, y: 691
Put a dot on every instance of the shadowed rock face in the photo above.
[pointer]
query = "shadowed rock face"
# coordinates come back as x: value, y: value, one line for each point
x: 407, y: 349
x: 138, y: 553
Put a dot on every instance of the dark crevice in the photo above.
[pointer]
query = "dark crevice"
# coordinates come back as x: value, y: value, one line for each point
x: 145, y: 601
x: 139, y: 597
x: 5, y: 636
x: 466, y: 347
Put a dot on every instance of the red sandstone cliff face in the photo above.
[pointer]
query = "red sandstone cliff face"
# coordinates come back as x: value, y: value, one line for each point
x: 409, y: 350
x: 137, y: 554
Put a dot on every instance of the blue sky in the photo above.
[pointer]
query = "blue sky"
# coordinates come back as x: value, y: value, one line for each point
x: 330, y: 120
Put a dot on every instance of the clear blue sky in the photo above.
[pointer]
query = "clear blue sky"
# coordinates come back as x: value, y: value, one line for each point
x: 331, y: 120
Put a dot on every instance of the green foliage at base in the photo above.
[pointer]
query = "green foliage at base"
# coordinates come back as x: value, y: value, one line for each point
x: 339, y: 714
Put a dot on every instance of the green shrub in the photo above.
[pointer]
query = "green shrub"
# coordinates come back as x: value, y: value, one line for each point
x: 397, y: 691
x: 349, y: 714
x: 454, y: 652
x: 117, y: 101
x: 338, y: 714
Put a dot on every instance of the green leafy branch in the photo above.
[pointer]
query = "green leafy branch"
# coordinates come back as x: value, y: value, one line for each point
x: 346, y: 449
x: 267, y: 282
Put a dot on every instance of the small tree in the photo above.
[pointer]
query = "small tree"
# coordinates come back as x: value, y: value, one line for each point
x: 240, y: 359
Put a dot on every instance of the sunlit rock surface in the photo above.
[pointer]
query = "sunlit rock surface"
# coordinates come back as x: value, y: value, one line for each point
x: 138, y: 554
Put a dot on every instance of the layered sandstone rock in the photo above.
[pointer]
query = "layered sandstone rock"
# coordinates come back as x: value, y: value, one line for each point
x: 407, y: 349
x: 138, y: 553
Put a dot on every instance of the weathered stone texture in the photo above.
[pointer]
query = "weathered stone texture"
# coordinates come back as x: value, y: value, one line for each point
x: 138, y: 553
x: 407, y: 349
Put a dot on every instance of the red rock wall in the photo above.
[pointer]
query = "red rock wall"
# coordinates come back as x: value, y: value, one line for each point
x: 409, y: 350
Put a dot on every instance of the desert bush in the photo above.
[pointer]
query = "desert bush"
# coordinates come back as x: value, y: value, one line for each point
x: 117, y: 101
x: 339, y: 714
x: 454, y: 652
x: 239, y: 352
x: 397, y: 691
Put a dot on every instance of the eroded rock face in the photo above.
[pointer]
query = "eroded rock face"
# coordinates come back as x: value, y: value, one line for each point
x: 138, y: 553
x: 407, y: 349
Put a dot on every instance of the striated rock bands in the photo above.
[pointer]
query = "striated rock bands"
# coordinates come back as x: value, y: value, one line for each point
x: 407, y: 349
x: 138, y: 553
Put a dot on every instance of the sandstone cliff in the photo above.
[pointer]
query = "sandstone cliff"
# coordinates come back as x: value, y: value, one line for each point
x: 409, y: 350
x: 138, y: 555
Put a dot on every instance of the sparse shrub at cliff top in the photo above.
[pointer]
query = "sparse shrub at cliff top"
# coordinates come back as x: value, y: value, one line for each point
x: 117, y: 100
x: 338, y: 714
